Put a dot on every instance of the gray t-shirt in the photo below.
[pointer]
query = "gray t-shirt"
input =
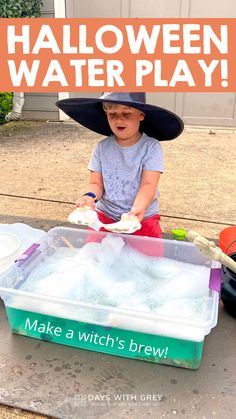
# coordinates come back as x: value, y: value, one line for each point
x: 121, y: 169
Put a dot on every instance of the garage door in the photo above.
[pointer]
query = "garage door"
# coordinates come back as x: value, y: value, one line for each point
x: 216, y: 109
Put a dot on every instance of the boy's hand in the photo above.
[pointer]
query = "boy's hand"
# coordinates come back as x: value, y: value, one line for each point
x: 139, y: 212
x: 85, y: 200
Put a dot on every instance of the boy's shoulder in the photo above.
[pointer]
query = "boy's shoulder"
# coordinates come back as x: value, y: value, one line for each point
x: 151, y: 140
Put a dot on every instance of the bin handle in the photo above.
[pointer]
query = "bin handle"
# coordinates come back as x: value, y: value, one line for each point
x: 27, y: 253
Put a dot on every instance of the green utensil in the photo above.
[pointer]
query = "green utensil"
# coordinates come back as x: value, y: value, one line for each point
x: 179, y: 234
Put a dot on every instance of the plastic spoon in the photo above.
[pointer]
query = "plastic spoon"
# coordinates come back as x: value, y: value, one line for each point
x: 86, y: 216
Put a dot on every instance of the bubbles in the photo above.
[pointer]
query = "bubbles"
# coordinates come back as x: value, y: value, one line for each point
x: 113, y: 274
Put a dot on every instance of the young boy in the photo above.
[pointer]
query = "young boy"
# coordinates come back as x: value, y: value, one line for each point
x: 125, y: 167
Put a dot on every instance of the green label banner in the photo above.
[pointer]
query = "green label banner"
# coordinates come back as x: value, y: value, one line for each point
x: 110, y: 340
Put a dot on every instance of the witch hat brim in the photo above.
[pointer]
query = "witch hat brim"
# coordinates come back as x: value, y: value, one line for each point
x: 158, y: 123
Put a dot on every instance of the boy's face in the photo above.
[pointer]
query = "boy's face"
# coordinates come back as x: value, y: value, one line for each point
x: 124, y: 122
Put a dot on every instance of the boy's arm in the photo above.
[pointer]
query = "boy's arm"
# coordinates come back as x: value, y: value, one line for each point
x: 146, y: 193
x: 96, y: 186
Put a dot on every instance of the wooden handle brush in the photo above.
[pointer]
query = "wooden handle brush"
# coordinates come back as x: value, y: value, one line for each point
x: 209, y: 249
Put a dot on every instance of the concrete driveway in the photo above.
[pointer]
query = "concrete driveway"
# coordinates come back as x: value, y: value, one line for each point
x: 43, y: 170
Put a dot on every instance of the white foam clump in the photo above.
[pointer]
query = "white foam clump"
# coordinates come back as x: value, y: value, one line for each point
x: 128, y: 223
x: 85, y: 216
x: 129, y: 283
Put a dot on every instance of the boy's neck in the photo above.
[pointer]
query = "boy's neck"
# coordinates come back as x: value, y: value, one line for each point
x: 129, y: 141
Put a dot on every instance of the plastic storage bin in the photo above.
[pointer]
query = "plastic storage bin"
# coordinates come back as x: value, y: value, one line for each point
x: 56, y: 315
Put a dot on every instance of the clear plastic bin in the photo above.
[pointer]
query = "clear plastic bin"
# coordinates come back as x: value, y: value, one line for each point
x: 55, y: 314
